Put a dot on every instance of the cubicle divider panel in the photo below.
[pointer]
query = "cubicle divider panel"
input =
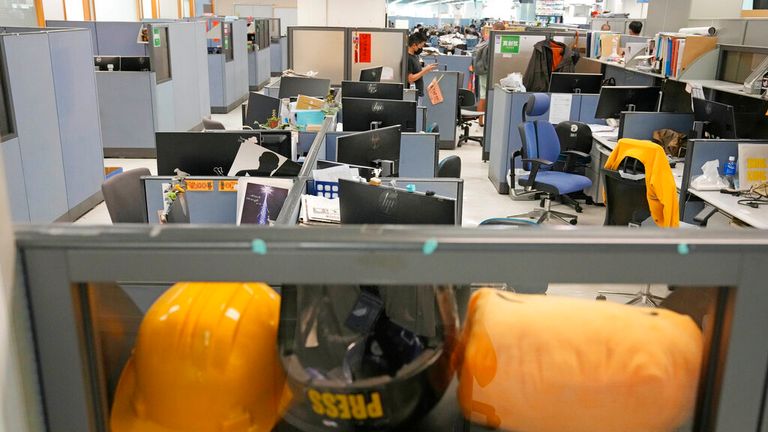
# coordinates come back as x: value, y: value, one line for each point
x: 90, y: 25
x: 372, y: 47
x: 217, y: 78
x: 33, y: 96
x: 319, y: 49
x: 119, y: 38
x: 641, y: 125
x: 264, y: 62
x: 446, y: 112
x: 445, y: 187
x: 14, y: 180
x: 505, y: 61
x: 419, y: 153
x: 276, y: 57
x: 240, y: 48
x: 697, y: 153
x: 253, y: 66
x: 588, y: 109
x: 78, y: 114
x: 184, y: 56
x: 165, y: 107
x: 201, y: 59
x: 127, y: 112
x: 457, y: 63
x: 489, y: 103
x: 218, y: 205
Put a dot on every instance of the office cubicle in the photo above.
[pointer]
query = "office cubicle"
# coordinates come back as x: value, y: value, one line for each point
x: 445, y: 113
x: 641, y: 125
x: 79, y: 267
x: 173, y: 96
x: 373, y: 47
x: 454, y: 63
x: 228, y: 63
x: 278, y: 48
x: 260, y: 52
x: 50, y: 133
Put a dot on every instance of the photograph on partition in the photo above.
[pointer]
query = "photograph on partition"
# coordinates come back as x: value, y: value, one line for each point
x: 260, y: 203
x: 257, y: 161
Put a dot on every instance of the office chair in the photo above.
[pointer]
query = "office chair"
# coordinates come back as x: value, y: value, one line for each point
x: 209, y: 124
x: 433, y: 128
x: 449, y: 167
x: 466, y: 116
x: 626, y: 204
x: 575, y: 136
x: 539, y: 153
x: 124, y: 196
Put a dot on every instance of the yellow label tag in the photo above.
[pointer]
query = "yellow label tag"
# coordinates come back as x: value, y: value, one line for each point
x: 199, y: 185
x: 756, y: 176
x: 346, y: 406
x: 228, y: 186
x: 755, y: 163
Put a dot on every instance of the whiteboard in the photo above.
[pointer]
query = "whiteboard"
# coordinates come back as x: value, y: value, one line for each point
x: 287, y: 18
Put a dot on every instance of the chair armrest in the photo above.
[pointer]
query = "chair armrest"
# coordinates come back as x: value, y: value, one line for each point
x: 575, y: 153
x: 538, y: 162
x: 535, y: 165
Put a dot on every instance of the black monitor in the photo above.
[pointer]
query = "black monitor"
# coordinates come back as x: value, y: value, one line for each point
x: 361, y: 203
x: 358, y: 114
x: 371, y: 74
x: 134, y: 64
x: 294, y: 86
x: 369, y: 90
x: 587, y: 83
x: 260, y: 108
x: 279, y: 141
x: 675, y: 97
x: 750, y: 114
x: 372, y: 149
x: 714, y: 119
x: 103, y: 63
x: 614, y: 100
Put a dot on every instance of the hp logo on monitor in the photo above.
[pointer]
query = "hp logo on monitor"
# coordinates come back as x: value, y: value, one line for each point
x: 377, y: 107
x: 372, y: 88
x: 388, y: 202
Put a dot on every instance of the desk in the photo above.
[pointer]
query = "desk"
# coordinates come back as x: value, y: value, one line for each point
x: 729, y: 206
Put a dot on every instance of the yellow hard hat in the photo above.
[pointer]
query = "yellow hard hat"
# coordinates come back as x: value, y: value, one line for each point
x: 205, y: 360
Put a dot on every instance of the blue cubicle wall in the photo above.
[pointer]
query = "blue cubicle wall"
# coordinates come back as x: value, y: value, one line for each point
x: 419, y: 153
x: 507, y: 109
x: 53, y: 164
x: 454, y: 63
x: 641, y: 125
x: 228, y: 80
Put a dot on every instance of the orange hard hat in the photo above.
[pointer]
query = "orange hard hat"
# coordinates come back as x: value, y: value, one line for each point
x: 205, y: 359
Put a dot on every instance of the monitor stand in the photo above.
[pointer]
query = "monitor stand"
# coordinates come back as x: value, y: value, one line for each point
x: 698, y: 129
x: 375, y: 125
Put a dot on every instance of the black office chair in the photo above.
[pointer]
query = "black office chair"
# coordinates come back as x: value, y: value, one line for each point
x: 209, y: 124
x: 627, y: 205
x: 466, y: 116
x: 124, y: 196
x: 449, y: 167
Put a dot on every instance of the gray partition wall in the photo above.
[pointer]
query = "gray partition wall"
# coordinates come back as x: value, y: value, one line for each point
x: 135, y: 105
x: 53, y: 157
x: 445, y: 113
x: 388, y: 48
x: 229, y: 77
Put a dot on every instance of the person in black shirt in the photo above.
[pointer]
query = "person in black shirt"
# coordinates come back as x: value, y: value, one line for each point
x: 416, y: 73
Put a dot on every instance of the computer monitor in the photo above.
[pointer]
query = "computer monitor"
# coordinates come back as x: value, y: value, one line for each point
x: 614, y: 100
x: 361, y: 203
x: 750, y: 114
x: 260, y: 108
x: 134, y: 64
x: 371, y: 74
x: 714, y: 119
x: 587, y: 83
x: 370, y: 90
x: 279, y: 141
x: 103, y: 63
x: 294, y: 86
x: 379, y: 148
x: 675, y: 97
x: 358, y: 114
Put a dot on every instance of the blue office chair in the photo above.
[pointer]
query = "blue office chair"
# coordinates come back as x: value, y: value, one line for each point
x: 539, y: 153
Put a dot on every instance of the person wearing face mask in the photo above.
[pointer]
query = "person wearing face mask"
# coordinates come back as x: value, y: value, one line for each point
x: 416, y: 73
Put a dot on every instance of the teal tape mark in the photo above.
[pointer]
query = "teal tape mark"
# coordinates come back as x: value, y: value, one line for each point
x: 259, y: 247
x: 411, y: 188
x: 430, y: 246
x: 683, y: 249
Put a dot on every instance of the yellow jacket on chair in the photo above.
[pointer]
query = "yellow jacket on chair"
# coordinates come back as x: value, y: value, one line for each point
x: 659, y: 180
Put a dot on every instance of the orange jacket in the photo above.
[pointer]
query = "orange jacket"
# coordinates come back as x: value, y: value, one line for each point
x: 533, y: 363
x: 659, y: 180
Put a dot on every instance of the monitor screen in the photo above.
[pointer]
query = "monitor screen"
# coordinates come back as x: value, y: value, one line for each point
x: 107, y: 63
x: 562, y: 82
x: 675, y: 97
x: 372, y: 74
x: 370, y: 90
x: 361, y: 203
x: 135, y: 64
x: 260, y: 108
x: 719, y: 119
x: 750, y: 114
x: 358, y: 114
x: 614, y: 100
x: 294, y: 86
x: 366, y: 148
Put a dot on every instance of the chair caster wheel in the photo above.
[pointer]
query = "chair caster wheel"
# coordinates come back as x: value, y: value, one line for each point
x: 574, y: 222
x: 601, y: 298
x: 579, y: 210
x: 590, y: 201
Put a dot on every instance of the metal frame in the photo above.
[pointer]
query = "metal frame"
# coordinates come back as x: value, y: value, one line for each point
x: 56, y: 259
x: 7, y: 96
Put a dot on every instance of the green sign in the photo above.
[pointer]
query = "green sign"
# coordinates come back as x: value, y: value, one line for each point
x: 510, y: 44
x: 156, y: 37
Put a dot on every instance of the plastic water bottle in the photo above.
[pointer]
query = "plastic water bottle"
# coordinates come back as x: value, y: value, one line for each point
x: 730, y: 167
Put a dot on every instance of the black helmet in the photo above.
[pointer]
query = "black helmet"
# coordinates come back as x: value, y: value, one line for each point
x: 365, y: 358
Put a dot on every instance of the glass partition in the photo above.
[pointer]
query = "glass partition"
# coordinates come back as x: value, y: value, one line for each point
x: 318, y: 49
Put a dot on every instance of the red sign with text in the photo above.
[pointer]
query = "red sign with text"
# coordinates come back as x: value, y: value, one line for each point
x: 364, y: 55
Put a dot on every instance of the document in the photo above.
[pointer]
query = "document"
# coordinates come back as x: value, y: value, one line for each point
x: 319, y: 209
x: 560, y: 107
x: 260, y: 199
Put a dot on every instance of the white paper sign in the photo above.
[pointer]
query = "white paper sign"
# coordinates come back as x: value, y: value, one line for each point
x: 560, y: 107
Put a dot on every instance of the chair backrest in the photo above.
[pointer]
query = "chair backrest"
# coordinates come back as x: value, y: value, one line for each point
x: 574, y: 136
x: 626, y: 199
x: 539, y: 137
x: 209, y: 124
x: 125, y: 198
x: 449, y: 167
x: 466, y: 98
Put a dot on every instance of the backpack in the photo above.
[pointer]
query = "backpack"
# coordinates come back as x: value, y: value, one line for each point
x: 481, y: 59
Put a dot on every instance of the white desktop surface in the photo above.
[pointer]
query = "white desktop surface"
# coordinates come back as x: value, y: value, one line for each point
x: 729, y: 205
